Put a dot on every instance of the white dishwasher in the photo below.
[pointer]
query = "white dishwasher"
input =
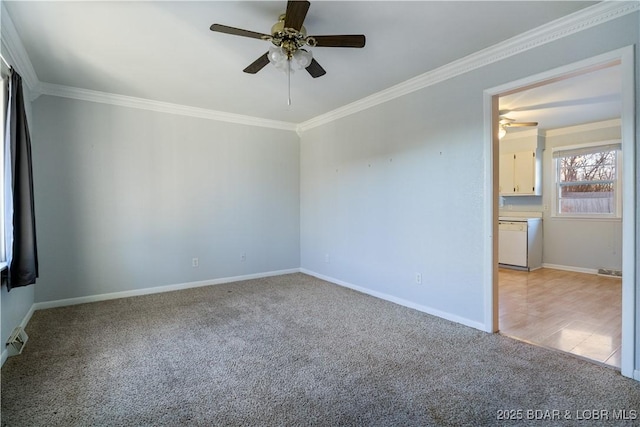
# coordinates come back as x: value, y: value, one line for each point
x: 520, y: 243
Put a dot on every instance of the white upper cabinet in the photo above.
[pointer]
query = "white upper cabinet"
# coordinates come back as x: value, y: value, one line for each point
x: 520, y: 172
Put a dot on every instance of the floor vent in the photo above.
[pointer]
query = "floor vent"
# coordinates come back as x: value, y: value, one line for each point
x: 609, y: 273
x: 17, y: 341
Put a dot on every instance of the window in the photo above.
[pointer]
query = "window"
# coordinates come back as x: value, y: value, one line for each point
x: 587, y: 180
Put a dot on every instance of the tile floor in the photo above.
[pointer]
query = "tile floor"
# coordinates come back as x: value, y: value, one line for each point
x: 574, y: 312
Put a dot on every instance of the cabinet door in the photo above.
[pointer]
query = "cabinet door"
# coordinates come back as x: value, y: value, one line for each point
x: 506, y: 174
x: 525, y: 172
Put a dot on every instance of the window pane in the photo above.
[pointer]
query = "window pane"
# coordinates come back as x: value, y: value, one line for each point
x: 589, y: 167
x: 587, y: 199
x: 587, y: 183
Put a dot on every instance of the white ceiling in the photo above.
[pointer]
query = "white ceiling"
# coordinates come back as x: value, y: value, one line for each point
x: 164, y: 50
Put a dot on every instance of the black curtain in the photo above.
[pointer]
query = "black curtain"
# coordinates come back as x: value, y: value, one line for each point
x: 20, y: 222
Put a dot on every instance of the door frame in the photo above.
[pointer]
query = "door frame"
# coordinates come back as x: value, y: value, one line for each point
x: 625, y: 56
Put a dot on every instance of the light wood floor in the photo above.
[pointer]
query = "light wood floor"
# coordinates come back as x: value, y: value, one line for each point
x: 573, y: 312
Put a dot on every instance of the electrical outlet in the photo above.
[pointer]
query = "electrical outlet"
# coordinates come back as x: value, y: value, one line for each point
x: 419, y: 278
x: 195, y: 262
x: 327, y: 259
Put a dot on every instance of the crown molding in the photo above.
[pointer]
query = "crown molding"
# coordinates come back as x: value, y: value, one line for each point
x: 12, y: 45
x: 552, y: 31
x: 159, y: 106
x: 563, y: 27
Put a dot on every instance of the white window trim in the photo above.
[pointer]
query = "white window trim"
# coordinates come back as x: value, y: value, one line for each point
x: 618, y: 187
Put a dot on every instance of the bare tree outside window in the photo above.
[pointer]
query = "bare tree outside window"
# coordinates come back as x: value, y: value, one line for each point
x: 587, y: 183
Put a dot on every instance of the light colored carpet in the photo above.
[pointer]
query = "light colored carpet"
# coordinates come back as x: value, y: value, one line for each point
x: 288, y: 350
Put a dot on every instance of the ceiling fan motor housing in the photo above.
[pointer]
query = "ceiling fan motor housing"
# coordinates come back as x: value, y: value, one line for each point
x: 289, y: 39
x: 278, y: 27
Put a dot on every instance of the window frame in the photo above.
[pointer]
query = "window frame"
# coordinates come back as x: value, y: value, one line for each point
x: 617, y: 188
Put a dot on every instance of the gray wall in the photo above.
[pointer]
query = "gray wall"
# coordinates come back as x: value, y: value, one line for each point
x: 399, y: 188
x: 125, y: 198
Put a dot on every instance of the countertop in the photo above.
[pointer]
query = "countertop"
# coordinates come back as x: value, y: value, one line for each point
x: 518, y: 216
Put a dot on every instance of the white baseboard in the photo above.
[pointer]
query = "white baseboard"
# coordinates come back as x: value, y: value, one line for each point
x: 570, y: 268
x: 23, y: 324
x: 401, y: 301
x: 158, y: 289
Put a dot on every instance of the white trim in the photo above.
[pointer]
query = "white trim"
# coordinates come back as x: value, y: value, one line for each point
x: 12, y: 43
x: 626, y: 58
x: 23, y: 325
x: 567, y: 70
x: 492, y: 211
x: 630, y: 307
x: 163, y: 107
x: 399, y: 301
x: 588, y: 127
x: 157, y: 289
x: 570, y: 268
x: 552, y: 31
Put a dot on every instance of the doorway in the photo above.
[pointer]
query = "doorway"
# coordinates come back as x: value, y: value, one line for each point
x: 624, y: 59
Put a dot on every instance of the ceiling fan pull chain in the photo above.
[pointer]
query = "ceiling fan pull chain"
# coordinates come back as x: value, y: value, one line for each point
x: 289, y: 81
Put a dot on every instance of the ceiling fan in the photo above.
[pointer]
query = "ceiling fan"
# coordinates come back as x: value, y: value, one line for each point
x: 289, y: 37
x: 505, y: 122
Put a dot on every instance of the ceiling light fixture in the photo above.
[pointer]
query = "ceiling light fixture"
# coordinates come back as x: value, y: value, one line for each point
x: 506, y: 122
x: 287, y: 51
x: 501, y: 132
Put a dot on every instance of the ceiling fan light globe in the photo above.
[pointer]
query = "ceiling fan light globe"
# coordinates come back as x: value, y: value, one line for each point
x: 302, y: 58
x: 502, y: 132
x: 277, y: 55
x: 282, y: 65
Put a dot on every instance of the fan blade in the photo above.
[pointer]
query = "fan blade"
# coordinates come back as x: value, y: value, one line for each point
x: 295, y: 14
x: 354, y: 40
x: 258, y: 64
x: 237, y: 31
x: 315, y: 69
x: 521, y: 124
